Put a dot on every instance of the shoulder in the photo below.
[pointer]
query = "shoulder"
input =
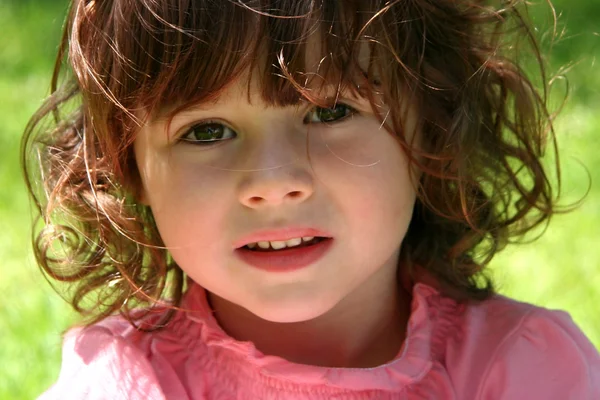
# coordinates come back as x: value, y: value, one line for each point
x: 102, y: 361
x: 517, y: 350
x: 545, y: 357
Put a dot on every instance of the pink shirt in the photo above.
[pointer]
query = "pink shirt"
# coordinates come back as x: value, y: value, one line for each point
x: 499, y: 349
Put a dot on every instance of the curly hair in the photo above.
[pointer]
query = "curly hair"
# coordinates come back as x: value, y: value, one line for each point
x: 483, y: 124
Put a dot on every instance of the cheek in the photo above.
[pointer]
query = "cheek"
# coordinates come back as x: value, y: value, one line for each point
x: 188, y: 203
x: 375, y: 190
x: 386, y: 199
x: 365, y: 160
x: 354, y: 146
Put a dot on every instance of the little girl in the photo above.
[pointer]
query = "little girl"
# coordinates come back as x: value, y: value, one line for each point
x: 259, y: 199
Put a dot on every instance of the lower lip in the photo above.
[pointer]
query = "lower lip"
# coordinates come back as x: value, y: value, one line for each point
x: 285, y: 260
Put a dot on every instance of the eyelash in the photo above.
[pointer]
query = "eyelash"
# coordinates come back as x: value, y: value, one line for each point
x: 223, y: 130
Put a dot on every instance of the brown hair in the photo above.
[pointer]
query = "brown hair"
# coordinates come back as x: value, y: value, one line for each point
x: 483, y: 125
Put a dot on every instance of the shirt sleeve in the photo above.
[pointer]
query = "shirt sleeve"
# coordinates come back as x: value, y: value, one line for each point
x: 99, y: 365
x: 548, y: 358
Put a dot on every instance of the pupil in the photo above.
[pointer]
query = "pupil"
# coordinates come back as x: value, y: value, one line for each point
x: 331, y: 114
x: 207, y: 132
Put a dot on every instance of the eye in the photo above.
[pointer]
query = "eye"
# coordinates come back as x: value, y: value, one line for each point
x: 336, y: 113
x: 207, y: 133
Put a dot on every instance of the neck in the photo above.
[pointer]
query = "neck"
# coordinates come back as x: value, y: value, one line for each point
x: 364, y: 330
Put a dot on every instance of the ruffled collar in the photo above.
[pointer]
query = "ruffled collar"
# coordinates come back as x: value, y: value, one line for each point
x: 411, y: 364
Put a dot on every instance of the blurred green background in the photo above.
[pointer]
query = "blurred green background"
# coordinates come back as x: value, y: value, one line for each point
x: 560, y: 271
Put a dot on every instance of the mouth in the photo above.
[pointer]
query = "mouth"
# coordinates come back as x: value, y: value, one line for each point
x: 272, y: 257
x: 279, y: 246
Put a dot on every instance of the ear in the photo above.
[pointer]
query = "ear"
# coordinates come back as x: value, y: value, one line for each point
x: 141, y: 197
x: 139, y: 193
x: 137, y: 189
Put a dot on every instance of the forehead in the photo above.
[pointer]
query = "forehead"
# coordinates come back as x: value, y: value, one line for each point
x: 283, y: 54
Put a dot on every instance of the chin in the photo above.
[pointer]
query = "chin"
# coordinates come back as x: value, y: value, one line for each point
x: 288, y: 312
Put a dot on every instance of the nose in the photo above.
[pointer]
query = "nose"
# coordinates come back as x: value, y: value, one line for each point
x: 280, y: 175
x: 274, y: 190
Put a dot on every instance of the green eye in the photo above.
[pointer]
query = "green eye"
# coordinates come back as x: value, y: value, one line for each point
x: 328, y: 115
x: 208, y: 133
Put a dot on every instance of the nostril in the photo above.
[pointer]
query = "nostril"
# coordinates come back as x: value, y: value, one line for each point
x: 275, y: 198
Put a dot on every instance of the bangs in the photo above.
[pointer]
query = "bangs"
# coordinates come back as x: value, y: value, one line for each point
x: 173, y: 54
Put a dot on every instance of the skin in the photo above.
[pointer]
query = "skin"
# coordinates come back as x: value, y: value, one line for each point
x: 350, y: 179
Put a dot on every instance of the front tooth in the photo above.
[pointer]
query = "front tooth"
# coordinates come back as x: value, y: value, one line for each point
x: 293, y: 242
x: 278, y: 245
x: 307, y: 238
x: 264, y: 245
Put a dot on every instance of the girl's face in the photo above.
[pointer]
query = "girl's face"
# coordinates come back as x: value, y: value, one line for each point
x: 223, y: 171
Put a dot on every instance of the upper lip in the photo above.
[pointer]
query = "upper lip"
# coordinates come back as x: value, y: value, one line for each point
x: 281, y: 234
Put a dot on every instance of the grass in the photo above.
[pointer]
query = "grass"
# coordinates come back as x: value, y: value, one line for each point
x: 558, y: 271
x: 31, y: 315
